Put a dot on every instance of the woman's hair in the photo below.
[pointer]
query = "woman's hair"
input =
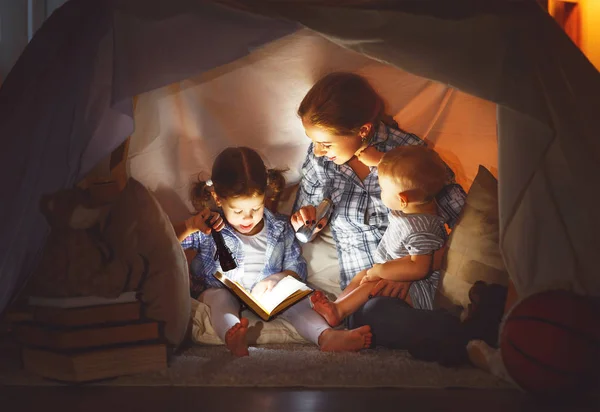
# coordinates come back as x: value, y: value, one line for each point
x: 341, y: 103
x: 415, y: 169
x: 238, y: 171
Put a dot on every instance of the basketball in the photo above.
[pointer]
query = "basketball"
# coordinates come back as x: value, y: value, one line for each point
x: 550, y: 343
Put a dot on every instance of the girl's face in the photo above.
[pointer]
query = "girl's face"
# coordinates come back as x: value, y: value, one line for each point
x: 338, y: 149
x: 244, y: 213
x: 390, y: 193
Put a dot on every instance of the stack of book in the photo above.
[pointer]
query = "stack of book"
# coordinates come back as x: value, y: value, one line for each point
x: 87, y: 339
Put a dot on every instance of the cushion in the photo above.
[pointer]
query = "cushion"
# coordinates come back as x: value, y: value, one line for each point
x: 323, y: 274
x: 139, y: 226
x: 473, y: 250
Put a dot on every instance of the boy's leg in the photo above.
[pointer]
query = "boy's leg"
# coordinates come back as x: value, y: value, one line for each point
x: 335, y: 312
x: 224, y: 316
x: 312, y: 327
x: 354, y: 283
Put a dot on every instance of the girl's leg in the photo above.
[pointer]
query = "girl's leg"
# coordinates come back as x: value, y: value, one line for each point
x: 311, y: 326
x: 224, y: 316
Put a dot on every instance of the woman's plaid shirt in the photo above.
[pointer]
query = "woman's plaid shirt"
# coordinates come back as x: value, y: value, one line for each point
x: 360, y: 218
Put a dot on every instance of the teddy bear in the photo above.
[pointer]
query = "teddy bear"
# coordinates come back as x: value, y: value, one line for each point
x: 78, y: 259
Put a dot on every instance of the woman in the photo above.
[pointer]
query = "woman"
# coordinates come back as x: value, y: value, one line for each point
x: 345, y: 119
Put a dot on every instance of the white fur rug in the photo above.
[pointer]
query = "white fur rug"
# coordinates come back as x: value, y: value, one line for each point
x: 287, y: 366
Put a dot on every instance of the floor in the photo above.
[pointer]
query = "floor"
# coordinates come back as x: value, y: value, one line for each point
x: 154, y: 399
x: 180, y: 398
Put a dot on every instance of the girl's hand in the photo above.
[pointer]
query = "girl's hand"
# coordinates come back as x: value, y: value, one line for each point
x: 198, y: 222
x: 266, y: 284
x: 369, y: 156
x: 306, y: 215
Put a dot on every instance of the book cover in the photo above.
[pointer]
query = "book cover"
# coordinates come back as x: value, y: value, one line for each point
x: 287, y: 292
x: 63, y: 338
x: 88, y: 315
x: 97, y: 364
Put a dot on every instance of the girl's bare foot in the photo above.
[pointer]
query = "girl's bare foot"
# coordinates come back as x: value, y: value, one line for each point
x: 332, y: 340
x: 235, y: 338
x: 326, y: 308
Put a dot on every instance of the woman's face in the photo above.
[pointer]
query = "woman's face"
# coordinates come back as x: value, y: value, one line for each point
x: 338, y: 149
x: 244, y: 213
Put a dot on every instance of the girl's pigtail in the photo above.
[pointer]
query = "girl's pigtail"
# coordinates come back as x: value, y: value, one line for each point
x: 275, y: 185
x: 201, y: 195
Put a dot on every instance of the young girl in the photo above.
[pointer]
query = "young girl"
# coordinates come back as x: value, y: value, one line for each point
x: 263, y: 245
x: 409, y: 177
x: 344, y: 116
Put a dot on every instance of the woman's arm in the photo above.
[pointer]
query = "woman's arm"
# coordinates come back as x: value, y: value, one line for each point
x: 311, y: 191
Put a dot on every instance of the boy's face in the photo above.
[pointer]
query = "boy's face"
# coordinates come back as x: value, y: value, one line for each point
x: 244, y: 213
x: 390, y: 193
x: 338, y: 149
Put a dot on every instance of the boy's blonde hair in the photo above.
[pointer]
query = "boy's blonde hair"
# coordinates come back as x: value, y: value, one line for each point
x: 416, y: 169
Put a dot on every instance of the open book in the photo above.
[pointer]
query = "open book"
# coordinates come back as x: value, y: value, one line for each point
x: 286, y: 293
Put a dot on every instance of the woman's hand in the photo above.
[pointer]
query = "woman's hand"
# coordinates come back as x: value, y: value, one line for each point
x: 266, y: 284
x: 369, y: 156
x: 391, y: 288
x: 198, y: 222
x: 306, y: 215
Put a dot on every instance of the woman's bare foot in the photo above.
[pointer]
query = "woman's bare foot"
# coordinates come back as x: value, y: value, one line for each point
x: 235, y: 338
x: 332, y: 340
x: 326, y: 308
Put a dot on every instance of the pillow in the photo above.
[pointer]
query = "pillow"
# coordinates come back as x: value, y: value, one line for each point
x: 473, y: 250
x: 139, y: 226
x: 259, y: 331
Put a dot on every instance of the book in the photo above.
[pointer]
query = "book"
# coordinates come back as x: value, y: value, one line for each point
x: 97, y: 364
x: 80, y: 301
x: 65, y: 338
x: 287, y: 292
x: 87, y: 315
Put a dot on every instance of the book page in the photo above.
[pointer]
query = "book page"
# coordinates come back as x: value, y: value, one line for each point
x: 282, y: 290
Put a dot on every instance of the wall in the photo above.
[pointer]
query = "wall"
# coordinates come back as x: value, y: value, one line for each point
x: 590, y: 23
x: 19, y: 19
x: 587, y: 18
x: 13, y: 33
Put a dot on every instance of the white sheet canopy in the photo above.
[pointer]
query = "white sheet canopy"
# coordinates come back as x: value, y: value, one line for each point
x: 493, y: 84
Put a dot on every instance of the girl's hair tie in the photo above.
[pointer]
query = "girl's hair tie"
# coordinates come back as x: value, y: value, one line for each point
x: 209, y: 182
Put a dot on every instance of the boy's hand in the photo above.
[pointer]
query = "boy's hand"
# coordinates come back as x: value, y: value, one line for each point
x: 198, y: 222
x: 369, y: 156
x: 368, y: 278
x: 266, y: 284
x: 391, y: 288
x: 375, y: 272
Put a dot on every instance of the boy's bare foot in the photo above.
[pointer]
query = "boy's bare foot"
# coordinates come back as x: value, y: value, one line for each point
x: 332, y: 340
x: 326, y: 308
x: 235, y: 338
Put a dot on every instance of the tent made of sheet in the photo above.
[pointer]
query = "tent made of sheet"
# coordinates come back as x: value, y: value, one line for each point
x: 492, y: 83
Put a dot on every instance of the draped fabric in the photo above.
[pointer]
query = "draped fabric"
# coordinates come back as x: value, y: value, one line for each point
x: 497, y: 84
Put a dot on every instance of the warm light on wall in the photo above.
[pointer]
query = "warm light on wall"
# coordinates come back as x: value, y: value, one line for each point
x: 581, y: 21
